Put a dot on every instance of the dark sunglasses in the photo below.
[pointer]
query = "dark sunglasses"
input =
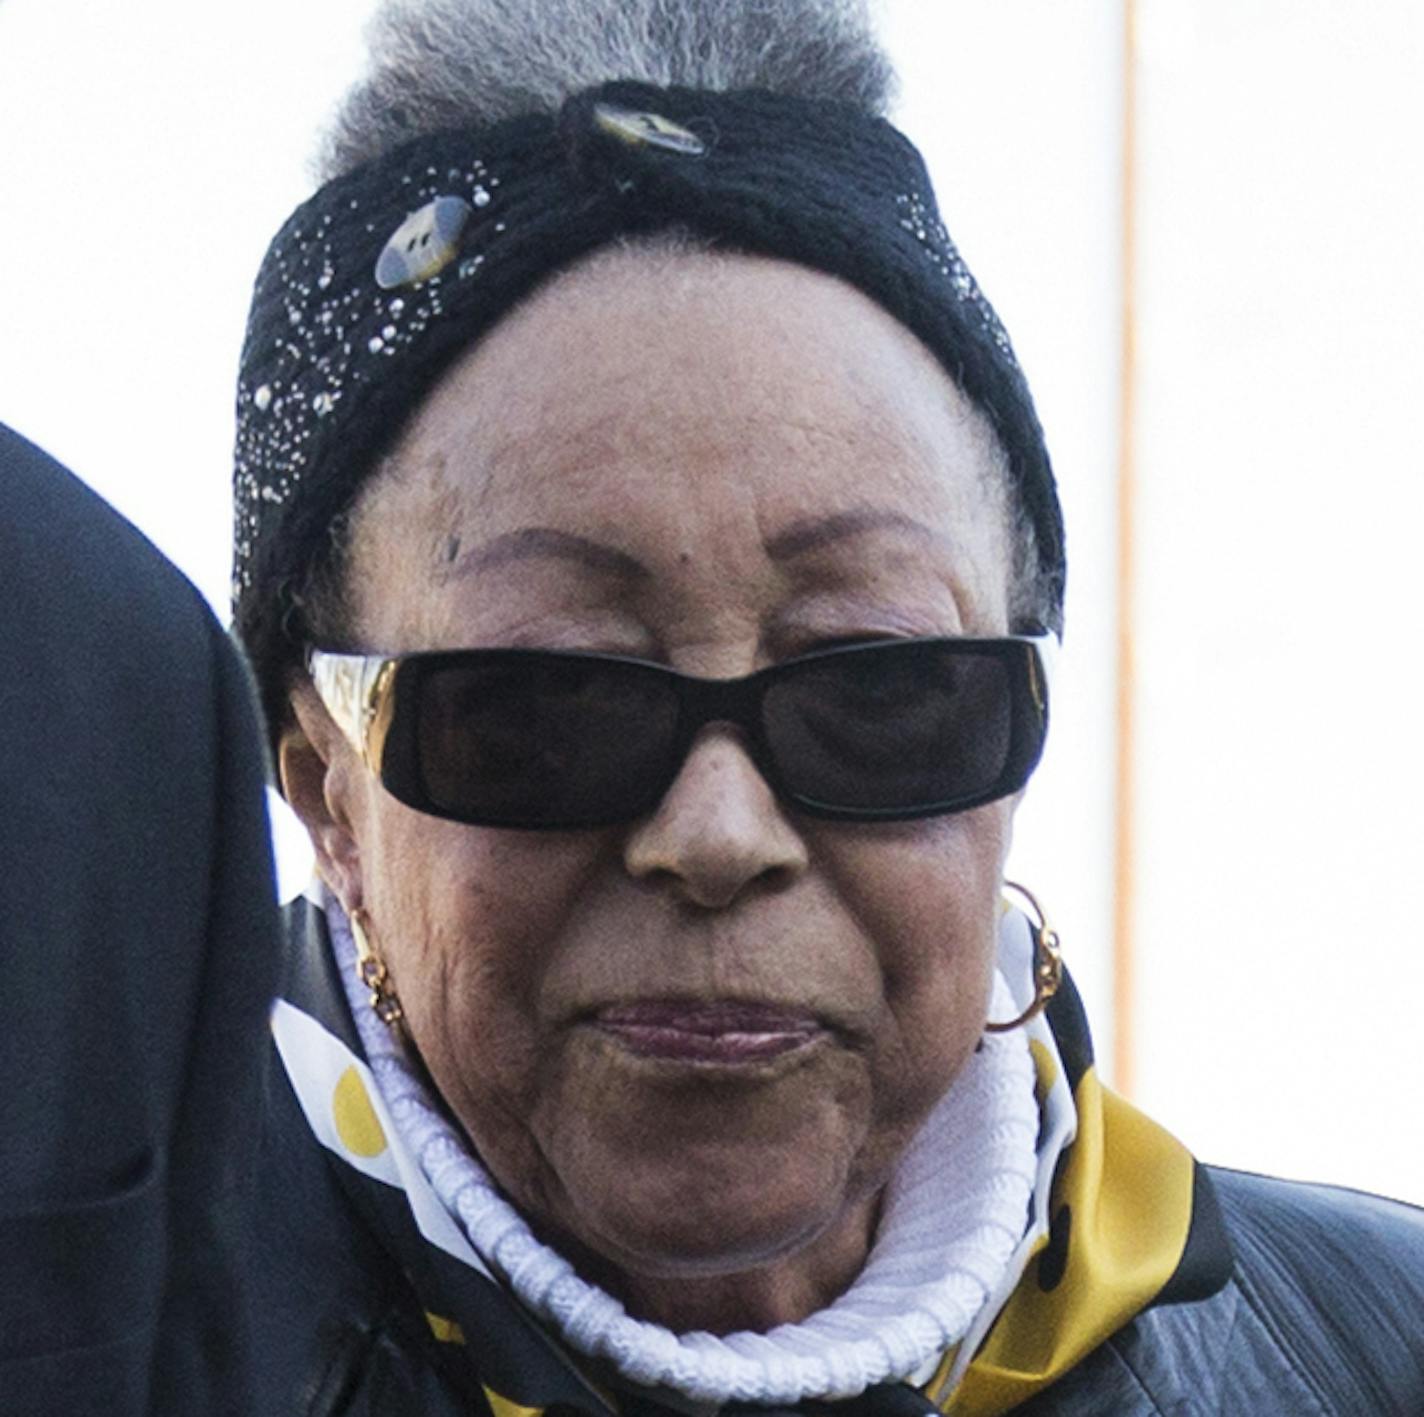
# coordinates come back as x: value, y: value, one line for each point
x: 554, y: 740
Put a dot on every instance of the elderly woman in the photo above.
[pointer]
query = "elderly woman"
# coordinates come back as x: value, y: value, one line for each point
x: 649, y: 557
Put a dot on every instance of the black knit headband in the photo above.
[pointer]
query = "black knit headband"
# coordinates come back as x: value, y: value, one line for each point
x: 377, y: 284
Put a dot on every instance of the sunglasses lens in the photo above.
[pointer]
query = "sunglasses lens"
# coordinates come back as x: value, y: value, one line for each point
x: 895, y: 730
x: 543, y: 740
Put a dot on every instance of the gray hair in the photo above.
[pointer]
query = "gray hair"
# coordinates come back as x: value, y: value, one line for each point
x: 442, y: 64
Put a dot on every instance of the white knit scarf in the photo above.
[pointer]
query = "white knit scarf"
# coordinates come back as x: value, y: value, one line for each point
x: 951, y: 1227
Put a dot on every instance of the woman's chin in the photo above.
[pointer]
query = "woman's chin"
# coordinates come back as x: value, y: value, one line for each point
x: 684, y: 1168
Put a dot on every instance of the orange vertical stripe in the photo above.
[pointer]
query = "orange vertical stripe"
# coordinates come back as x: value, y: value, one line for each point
x: 1124, y: 883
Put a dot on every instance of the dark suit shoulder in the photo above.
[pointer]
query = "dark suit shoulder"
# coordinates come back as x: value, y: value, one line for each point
x: 139, y: 937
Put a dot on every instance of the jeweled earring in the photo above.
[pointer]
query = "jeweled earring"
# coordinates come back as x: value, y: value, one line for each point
x: 372, y: 972
x: 1047, y: 963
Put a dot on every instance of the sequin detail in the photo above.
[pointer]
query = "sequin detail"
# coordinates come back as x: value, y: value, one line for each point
x: 918, y: 217
x: 338, y: 327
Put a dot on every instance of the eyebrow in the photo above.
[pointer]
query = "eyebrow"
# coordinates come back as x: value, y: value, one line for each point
x: 807, y: 534
x: 545, y: 541
x: 811, y: 533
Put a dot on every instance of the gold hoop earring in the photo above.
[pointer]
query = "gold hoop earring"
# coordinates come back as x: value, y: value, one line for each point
x: 1047, y: 963
x: 372, y: 972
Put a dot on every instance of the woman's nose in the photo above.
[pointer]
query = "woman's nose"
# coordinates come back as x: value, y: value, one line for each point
x: 719, y: 830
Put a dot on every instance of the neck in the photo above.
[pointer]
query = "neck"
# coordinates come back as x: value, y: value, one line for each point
x: 758, y: 1298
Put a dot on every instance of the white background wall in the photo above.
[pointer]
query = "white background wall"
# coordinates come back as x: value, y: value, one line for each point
x: 1282, y: 830
x: 148, y: 148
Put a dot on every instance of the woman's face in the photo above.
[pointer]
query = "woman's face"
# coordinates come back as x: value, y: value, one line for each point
x: 694, y: 1045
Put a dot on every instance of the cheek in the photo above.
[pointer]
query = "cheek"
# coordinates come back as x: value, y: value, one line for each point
x: 929, y: 899
x: 470, y: 921
x: 926, y: 892
x: 465, y: 896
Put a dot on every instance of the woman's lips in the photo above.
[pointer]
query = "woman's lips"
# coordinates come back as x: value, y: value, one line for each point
x: 721, y: 1031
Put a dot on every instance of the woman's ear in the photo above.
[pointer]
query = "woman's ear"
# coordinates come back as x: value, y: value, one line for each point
x: 314, y: 763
